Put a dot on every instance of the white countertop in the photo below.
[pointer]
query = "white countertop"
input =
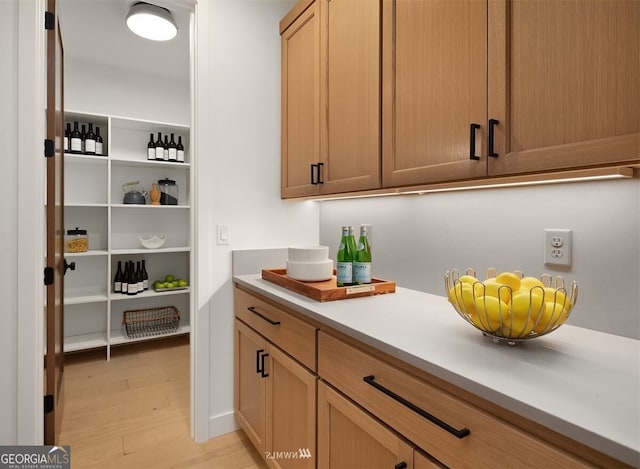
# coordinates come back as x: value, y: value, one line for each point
x: 578, y: 382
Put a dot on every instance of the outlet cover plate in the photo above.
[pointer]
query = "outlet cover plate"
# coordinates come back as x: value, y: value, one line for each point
x: 557, y: 246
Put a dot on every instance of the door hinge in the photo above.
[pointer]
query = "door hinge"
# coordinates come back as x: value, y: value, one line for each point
x: 48, y: 148
x: 49, y: 20
x: 48, y: 403
x: 48, y: 276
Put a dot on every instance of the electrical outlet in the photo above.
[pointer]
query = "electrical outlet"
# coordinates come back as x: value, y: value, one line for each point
x: 557, y: 247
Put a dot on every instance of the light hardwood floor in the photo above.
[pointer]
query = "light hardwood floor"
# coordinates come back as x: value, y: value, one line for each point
x: 133, y: 412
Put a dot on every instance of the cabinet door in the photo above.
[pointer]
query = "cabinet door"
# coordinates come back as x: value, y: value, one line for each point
x: 348, y: 437
x: 250, y: 384
x: 434, y: 87
x: 564, y: 83
x: 291, y: 397
x: 350, y: 90
x: 300, y: 104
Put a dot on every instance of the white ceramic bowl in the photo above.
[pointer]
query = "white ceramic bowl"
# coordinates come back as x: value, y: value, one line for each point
x: 309, y: 254
x: 151, y: 241
x: 310, y: 271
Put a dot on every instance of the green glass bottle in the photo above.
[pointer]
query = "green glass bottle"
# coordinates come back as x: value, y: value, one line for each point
x: 344, y: 260
x: 362, y: 261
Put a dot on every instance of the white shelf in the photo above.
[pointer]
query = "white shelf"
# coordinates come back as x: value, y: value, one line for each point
x: 94, y: 196
x: 149, y: 163
x: 119, y: 336
x: 85, y: 341
x: 148, y: 294
x: 85, y: 159
x: 79, y: 300
x: 87, y: 253
x: 119, y: 252
x: 150, y: 207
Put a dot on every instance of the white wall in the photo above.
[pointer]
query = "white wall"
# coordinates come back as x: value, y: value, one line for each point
x: 416, y: 239
x: 239, y: 168
x: 9, y: 217
x: 102, y: 89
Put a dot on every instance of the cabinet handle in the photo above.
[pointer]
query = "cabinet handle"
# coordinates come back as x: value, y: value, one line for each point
x: 320, y: 165
x: 459, y: 433
x: 492, y: 125
x: 262, y: 370
x: 313, y: 174
x: 400, y: 465
x: 270, y: 321
x: 472, y: 142
x: 258, y: 362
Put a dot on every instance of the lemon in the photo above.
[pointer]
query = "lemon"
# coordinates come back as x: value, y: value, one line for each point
x: 554, y: 314
x: 525, y: 304
x: 510, y: 279
x: 557, y: 296
x: 517, y: 326
x: 490, y: 311
x: 491, y: 287
x: 527, y: 283
x: 469, y: 279
x: 461, y: 296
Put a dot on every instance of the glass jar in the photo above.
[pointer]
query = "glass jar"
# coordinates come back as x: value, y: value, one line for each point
x: 168, y: 192
x: 76, y: 241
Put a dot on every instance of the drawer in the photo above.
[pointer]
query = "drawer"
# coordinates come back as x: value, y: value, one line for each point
x: 453, y: 431
x: 291, y: 334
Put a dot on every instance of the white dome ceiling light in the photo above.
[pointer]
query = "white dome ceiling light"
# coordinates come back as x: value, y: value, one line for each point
x: 151, y: 22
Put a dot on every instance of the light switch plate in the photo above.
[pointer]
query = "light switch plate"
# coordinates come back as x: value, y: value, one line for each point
x: 223, y: 235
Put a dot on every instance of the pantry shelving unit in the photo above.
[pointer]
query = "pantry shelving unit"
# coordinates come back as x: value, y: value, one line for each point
x: 94, y: 201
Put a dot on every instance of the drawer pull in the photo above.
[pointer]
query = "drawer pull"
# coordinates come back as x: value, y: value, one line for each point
x: 459, y: 433
x: 472, y: 141
x: 270, y: 321
x: 400, y: 465
x: 260, y: 356
x: 492, y: 127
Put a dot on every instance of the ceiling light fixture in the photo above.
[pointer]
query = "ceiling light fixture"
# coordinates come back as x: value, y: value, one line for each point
x: 151, y: 22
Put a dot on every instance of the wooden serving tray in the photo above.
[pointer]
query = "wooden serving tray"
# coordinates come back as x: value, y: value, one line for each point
x: 327, y: 290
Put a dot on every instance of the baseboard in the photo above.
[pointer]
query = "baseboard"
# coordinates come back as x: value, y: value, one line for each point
x: 222, y: 423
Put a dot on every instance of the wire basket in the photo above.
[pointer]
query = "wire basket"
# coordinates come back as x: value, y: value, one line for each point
x: 151, y: 322
x: 508, y: 306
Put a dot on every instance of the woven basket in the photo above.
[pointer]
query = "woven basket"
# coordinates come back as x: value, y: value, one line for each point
x: 151, y: 322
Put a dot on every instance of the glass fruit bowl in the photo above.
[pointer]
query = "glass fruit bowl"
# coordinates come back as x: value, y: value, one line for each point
x: 509, y: 306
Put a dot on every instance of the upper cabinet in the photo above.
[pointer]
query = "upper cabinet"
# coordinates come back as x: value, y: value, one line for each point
x: 392, y: 93
x: 330, y: 97
x: 434, y: 91
x: 564, y: 84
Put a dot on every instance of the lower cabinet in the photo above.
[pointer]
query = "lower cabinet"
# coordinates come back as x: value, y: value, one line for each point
x: 275, y: 401
x: 348, y: 437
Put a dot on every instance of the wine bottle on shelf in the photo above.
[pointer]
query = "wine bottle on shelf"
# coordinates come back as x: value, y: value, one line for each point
x: 90, y: 141
x: 159, y: 148
x: 344, y: 260
x: 117, y: 280
x: 67, y: 137
x: 139, y: 277
x: 166, y: 148
x: 125, y: 279
x: 180, y: 150
x: 362, y: 262
x: 173, y: 150
x: 145, y: 276
x: 76, y: 139
x: 83, y: 136
x: 99, y: 147
x: 151, y: 148
x: 132, y: 281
